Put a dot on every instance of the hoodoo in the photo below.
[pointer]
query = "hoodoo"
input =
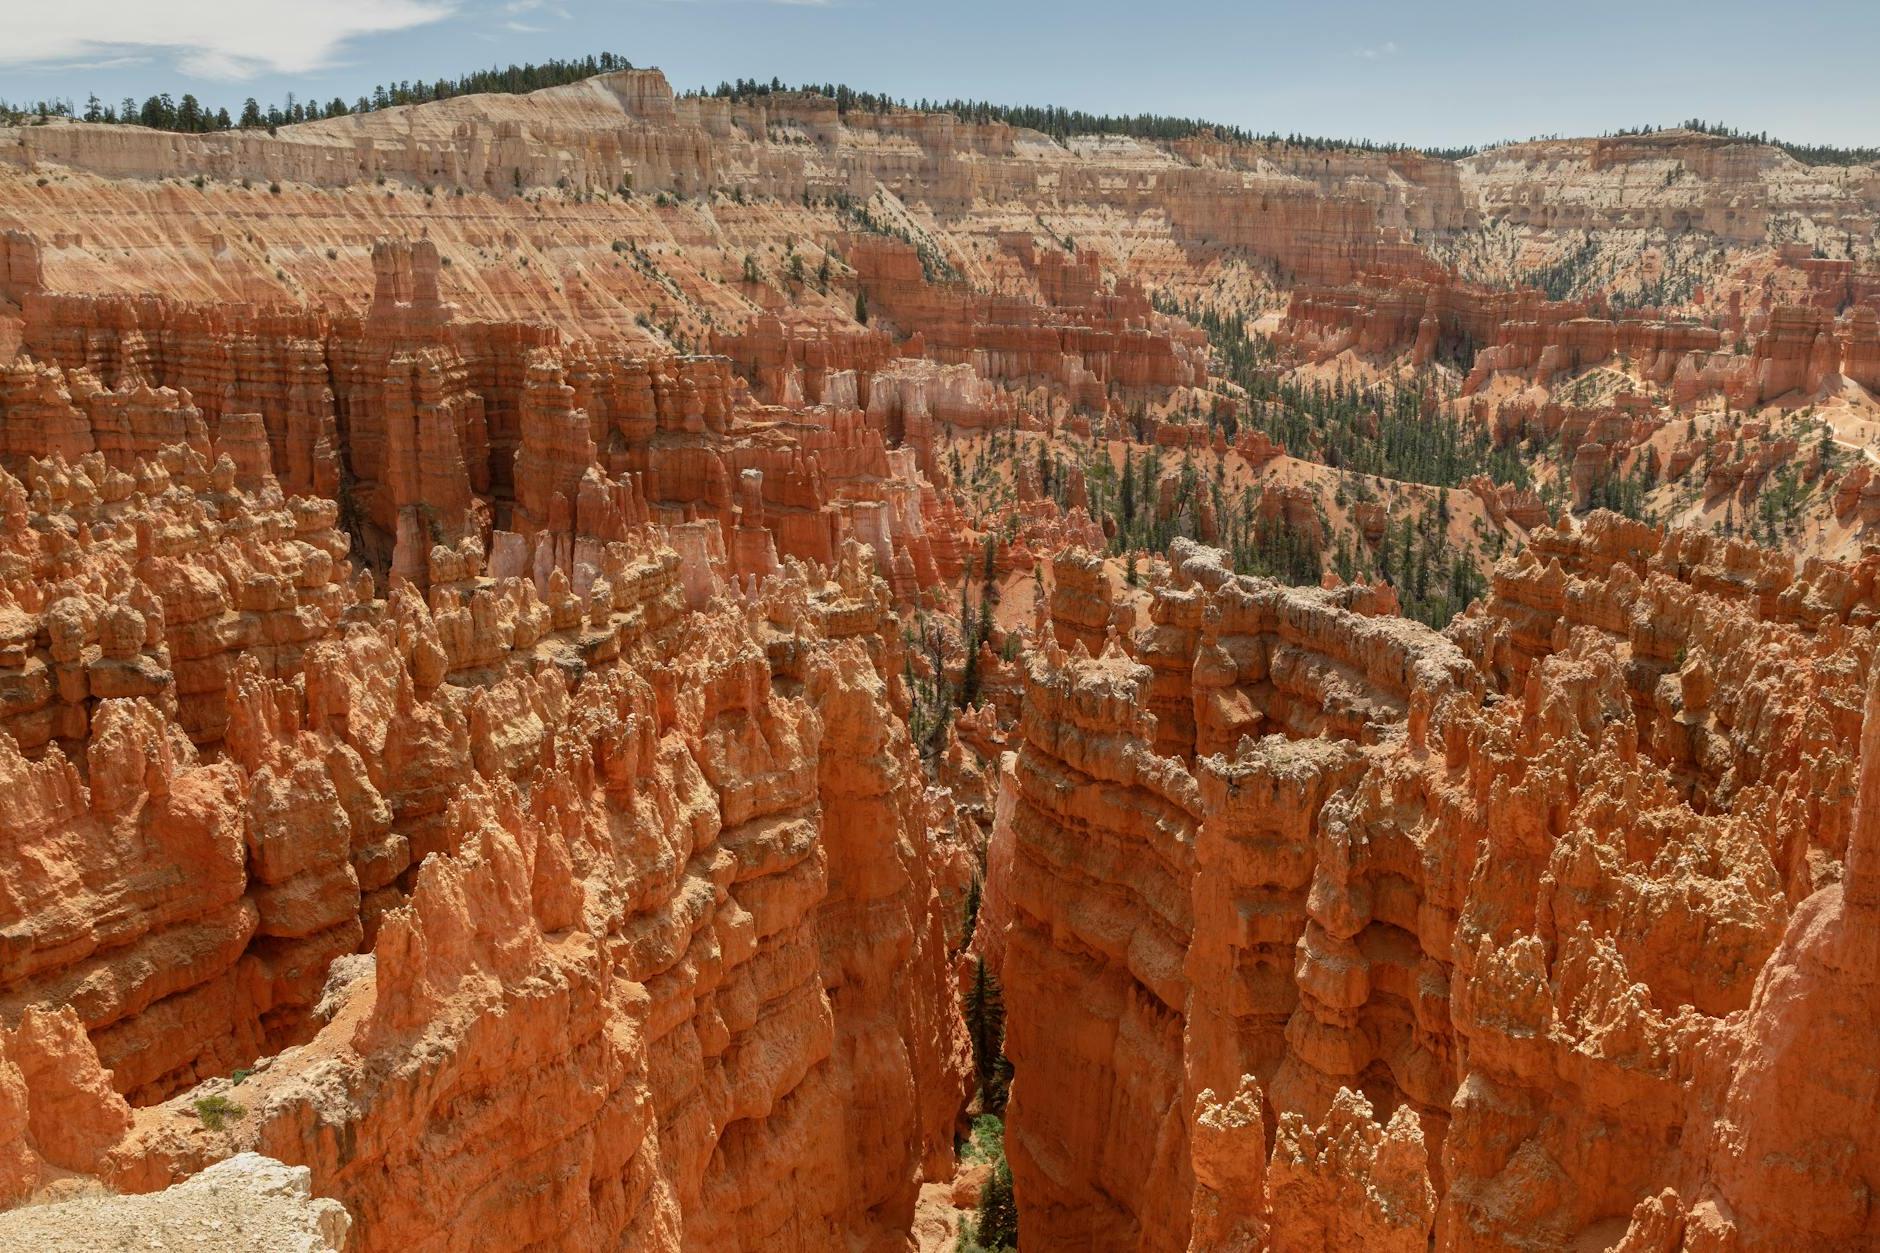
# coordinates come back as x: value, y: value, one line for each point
x: 591, y: 667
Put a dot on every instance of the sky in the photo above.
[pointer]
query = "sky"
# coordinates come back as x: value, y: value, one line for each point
x: 1431, y: 74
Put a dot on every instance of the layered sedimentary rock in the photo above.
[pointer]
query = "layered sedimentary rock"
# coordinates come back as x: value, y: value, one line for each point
x: 626, y: 132
x: 427, y: 429
x: 1100, y: 1157
x: 644, y: 225
x: 1089, y: 341
x: 647, y: 896
x: 1592, y: 184
x: 1521, y: 334
x: 1413, y: 899
x: 279, y: 215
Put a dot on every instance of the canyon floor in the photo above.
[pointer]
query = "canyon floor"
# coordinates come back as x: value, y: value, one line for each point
x: 609, y: 669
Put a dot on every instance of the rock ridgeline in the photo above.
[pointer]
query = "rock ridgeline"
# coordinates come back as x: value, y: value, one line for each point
x: 626, y: 131
x: 1301, y: 212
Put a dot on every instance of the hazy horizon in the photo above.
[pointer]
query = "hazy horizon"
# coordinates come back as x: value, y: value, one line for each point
x: 1448, y: 76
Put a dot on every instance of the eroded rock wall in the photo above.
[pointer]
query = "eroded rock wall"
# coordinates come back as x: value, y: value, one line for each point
x: 648, y: 898
x: 1387, y: 937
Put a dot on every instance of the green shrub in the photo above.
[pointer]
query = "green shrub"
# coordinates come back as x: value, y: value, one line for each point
x: 988, y: 1140
x: 994, y: 1227
x: 216, y: 1112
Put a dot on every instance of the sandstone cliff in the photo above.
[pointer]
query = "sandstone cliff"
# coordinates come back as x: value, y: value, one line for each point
x: 1374, y: 941
x: 650, y: 900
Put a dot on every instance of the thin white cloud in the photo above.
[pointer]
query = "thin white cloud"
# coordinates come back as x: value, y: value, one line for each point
x: 536, y: 10
x: 208, y: 38
x: 1377, y: 52
x: 104, y: 63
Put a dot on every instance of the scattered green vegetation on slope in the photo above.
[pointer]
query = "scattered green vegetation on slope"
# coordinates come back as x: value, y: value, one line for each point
x: 188, y: 114
x: 1054, y: 120
x: 994, y: 1227
x: 1807, y: 154
x: 1395, y: 429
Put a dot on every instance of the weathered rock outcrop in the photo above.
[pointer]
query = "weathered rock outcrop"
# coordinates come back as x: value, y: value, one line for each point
x: 1399, y: 915
x: 647, y: 897
x: 245, y: 1203
x: 1492, y: 333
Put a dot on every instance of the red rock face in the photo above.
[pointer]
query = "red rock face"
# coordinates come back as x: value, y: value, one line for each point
x: 1409, y: 896
x: 678, y: 940
x: 534, y: 851
x: 452, y: 430
x: 1089, y: 342
x: 1493, y: 333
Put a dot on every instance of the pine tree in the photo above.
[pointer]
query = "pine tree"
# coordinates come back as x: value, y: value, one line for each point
x: 997, y: 1227
x: 974, y: 891
x: 1341, y: 560
x: 861, y: 307
x: 984, y: 1012
x: 969, y: 669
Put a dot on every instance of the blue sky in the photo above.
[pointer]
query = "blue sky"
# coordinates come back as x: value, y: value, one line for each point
x: 1433, y: 74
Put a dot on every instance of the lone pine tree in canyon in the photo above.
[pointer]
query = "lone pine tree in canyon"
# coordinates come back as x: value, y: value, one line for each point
x: 588, y: 666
